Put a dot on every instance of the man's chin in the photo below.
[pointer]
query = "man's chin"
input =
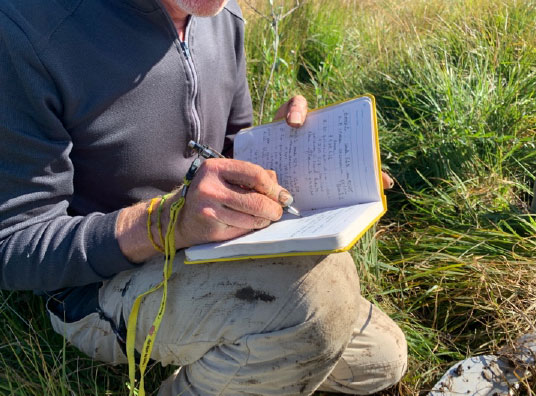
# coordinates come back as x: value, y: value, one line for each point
x: 202, y: 8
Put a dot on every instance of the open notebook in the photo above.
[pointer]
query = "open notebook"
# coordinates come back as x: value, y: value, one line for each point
x: 331, y: 166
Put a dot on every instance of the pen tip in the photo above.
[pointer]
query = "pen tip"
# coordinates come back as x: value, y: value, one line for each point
x: 292, y: 210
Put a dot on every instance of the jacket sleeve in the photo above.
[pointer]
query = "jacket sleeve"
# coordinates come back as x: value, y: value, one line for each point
x: 41, y: 247
x: 241, y: 115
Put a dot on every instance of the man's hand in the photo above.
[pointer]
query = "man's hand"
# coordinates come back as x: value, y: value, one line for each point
x: 229, y: 198
x: 295, y: 111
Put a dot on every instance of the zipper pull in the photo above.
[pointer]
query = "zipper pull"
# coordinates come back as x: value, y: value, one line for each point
x: 185, y: 49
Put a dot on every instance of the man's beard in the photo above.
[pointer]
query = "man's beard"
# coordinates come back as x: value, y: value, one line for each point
x: 203, y: 8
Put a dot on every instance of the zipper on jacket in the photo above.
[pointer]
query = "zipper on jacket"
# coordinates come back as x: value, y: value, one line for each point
x: 184, y: 48
x: 190, y: 63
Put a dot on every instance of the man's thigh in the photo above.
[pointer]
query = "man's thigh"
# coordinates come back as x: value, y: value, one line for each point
x: 215, y: 304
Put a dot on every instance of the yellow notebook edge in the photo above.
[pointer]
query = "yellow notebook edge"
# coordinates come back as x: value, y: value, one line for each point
x: 378, y: 154
x: 354, y: 241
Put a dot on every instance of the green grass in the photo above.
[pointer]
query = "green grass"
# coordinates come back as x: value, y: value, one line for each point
x: 453, y: 260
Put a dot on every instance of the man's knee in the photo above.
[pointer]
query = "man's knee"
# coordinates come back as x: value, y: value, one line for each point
x: 393, y: 348
x: 389, y: 351
x: 375, y: 358
x: 330, y: 294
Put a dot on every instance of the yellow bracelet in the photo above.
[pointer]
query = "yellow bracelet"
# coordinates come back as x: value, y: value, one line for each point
x: 149, y: 231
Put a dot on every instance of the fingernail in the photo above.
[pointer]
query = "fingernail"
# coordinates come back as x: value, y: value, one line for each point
x: 285, y: 198
x: 295, y: 117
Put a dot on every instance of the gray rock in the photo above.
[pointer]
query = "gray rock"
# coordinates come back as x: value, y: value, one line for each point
x: 490, y: 375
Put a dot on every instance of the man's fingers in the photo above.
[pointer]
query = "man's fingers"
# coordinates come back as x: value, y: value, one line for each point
x: 256, y: 178
x: 297, y: 111
x: 387, y: 181
x: 225, y: 224
x: 252, y: 203
x: 235, y: 219
x: 294, y: 111
x: 272, y: 174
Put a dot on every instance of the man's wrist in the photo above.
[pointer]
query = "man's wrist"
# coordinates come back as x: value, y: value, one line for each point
x: 132, y: 227
x: 160, y: 218
x: 131, y: 233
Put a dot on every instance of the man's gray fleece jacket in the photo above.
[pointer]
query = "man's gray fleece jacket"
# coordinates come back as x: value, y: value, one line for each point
x: 98, y: 100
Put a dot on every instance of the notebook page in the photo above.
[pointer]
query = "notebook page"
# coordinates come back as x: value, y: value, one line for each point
x: 329, y: 162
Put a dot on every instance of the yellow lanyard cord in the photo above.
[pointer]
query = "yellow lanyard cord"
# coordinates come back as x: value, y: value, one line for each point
x: 159, y: 223
x: 169, y: 253
x: 149, y: 231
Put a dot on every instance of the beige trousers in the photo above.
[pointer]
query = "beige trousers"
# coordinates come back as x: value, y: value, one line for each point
x: 259, y: 327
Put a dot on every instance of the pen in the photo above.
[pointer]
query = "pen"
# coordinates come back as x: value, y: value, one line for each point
x: 204, y: 151
x: 208, y: 152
